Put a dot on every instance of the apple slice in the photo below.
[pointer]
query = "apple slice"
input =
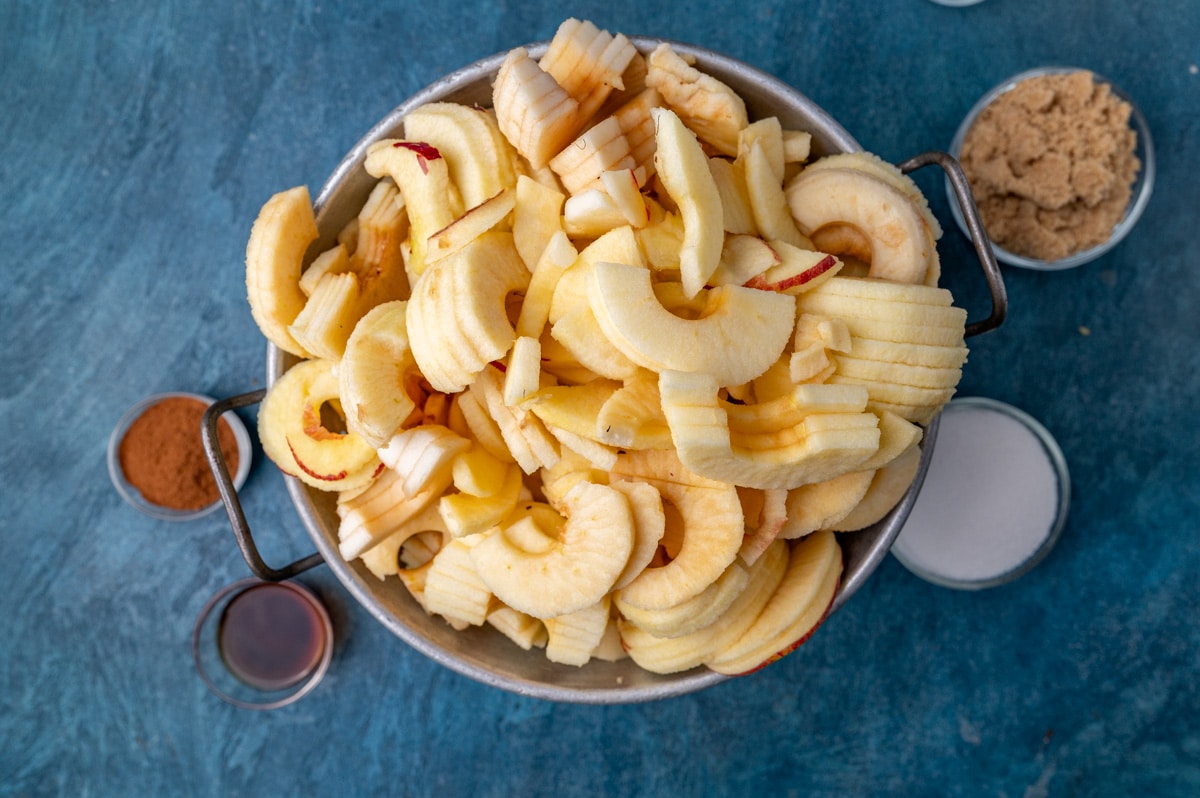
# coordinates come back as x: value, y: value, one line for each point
x: 537, y: 218
x: 374, y: 373
x: 730, y: 179
x: 279, y: 239
x: 587, y: 62
x: 672, y: 655
x: 523, y: 375
x: 707, y: 106
x: 598, y: 149
x: 424, y: 456
x: 743, y: 259
x: 472, y: 224
x: 423, y: 177
x: 573, y: 570
x: 850, y: 211
x: 480, y: 159
x: 696, y: 613
x: 887, y: 487
x: 743, y: 333
x: 797, y: 271
x: 591, y: 213
x: 770, y: 452
x: 556, y: 256
x: 581, y: 334
x: 712, y: 532
x: 622, y: 186
x: 573, y: 637
x: 768, y: 203
x: 535, y: 114
x: 295, y: 437
x: 683, y: 169
x: 794, y: 611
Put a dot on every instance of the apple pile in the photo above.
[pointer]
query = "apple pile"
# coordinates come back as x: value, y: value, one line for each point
x: 608, y: 365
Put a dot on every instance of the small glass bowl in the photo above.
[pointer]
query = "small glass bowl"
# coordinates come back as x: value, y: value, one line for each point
x: 953, y: 521
x: 1143, y: 184
x: 219, y: 675
x: 131, y: 493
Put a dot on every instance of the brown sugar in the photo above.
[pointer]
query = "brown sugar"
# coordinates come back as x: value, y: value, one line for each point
x: 1051, y: 165
x: 162, y: 454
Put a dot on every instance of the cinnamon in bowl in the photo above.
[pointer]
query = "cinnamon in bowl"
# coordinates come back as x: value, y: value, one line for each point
x: 157, y: 461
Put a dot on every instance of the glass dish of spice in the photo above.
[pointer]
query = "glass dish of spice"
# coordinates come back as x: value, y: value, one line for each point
x: 994, y: 500
x: 156, y: 456
x: 1061, y: 165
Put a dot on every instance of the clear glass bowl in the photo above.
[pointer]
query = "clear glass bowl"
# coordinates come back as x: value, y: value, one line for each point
x: 975, y: 523
x: 216, y: 671
x: 1142, y: 187
x: 131, y: 493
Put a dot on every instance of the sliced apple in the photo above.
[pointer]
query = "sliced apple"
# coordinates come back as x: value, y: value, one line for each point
x: 473, y: 223
x: 480, y: 159
x: 295, y: 437
x: 279, y: 239
x: 795, y: 609
x: 743, y: 333
x: 683, y: 169
x: 535, y: 114
x: 423, y: 177
x: 374, y: 374
x: 576, y: 569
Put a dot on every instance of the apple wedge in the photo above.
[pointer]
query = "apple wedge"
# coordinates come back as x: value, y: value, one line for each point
x: 683, y: 169
x: 794, y: 611
x: 279, y: 239
x: 743, y: 333
x: 296, y: 439
x: 374, y: 372
x: 481, y: 161
x: 568, y: 572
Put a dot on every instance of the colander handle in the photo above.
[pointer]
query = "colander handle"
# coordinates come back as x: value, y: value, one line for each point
x: 233, y: 506
x: 983, y: 247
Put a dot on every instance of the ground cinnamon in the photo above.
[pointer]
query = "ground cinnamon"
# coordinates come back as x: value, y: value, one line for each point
x: 162, y: 454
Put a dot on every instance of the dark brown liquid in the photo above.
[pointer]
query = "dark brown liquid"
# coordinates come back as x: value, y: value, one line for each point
x: 271, y: 636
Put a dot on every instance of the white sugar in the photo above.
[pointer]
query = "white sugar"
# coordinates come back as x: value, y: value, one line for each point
x: 989, y: 502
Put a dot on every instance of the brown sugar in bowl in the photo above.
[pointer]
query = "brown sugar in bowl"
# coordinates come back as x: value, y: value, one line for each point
x: 156, y: 456
x: 1063, y: 204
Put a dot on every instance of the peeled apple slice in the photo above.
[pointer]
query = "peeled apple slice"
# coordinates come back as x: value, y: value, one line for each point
x: 295, y: 438
x: 741, y: 334
x: 813, y: 450
x: 798, y: 605
x: 683, y: 169
x: 572, y: 572
x: 373, y: 372
x: 712, y: 531
x: 279, y: 239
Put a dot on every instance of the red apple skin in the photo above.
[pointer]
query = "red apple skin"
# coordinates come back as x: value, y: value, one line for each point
x: 809, y: 274
x: 323, y: 477
x: 425, y: 152
x: 801, y: 641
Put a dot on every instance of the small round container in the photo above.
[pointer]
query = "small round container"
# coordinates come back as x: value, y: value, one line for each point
x: 131, y: 493
x: 263, y: 645
x: 994, y: 502
x: 1142, y: 187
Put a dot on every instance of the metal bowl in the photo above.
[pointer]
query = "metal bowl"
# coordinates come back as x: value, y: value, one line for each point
x: 482, y: 653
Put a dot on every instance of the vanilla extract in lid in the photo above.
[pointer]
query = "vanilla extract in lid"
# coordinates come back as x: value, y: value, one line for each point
x: 994, y: 499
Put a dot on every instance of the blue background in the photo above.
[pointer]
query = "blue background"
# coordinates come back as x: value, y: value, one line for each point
x: 137, y: 141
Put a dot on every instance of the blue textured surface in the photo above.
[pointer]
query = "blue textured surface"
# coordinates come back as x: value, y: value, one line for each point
x: 138, y: 140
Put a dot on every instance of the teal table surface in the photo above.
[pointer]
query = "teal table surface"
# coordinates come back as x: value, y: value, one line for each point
x: 137, y: 142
